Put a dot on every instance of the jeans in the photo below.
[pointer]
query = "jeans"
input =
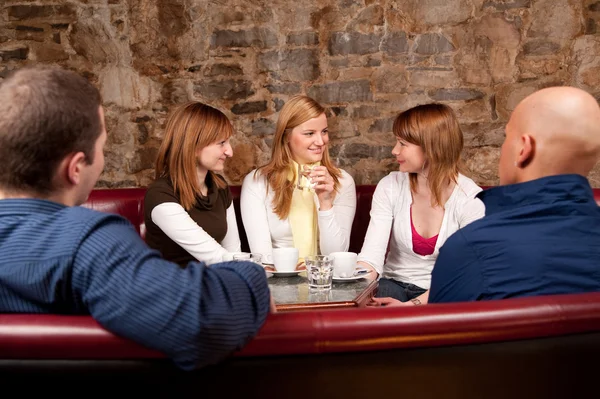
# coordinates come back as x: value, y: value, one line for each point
x: 398, y: 290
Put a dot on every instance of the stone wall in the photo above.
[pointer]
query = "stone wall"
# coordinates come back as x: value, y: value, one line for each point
x: 365, y: 60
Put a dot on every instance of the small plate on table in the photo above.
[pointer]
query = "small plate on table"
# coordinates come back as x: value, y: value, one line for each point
x: 285, y: 274
x: 359, y: 273
x: 270, y: 270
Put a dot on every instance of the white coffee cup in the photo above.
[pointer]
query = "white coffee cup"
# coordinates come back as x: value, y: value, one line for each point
x: 344, y: 264
x: 285, y: 259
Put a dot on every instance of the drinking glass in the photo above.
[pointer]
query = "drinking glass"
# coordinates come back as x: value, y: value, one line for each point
x: 303, y: 177
x: 319, y: 270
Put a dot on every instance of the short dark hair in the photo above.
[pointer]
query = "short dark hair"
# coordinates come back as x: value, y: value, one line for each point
x: 46, y: 113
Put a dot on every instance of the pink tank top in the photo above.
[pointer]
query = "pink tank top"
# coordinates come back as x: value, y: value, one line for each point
x: 421, y: 246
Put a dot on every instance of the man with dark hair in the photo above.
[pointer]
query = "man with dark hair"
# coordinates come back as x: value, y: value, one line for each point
x: 58, y: 257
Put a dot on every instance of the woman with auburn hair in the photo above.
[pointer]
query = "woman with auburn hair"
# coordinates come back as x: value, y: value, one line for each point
x: 188, y: 209
x: 299, y: 198
x: 422, y: 204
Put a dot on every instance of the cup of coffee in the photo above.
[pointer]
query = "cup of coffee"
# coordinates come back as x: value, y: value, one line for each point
x: 344, y: 264
x: 285, y: 259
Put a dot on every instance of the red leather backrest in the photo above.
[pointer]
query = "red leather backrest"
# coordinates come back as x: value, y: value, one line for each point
x: 127, y: 202
x: 364, y: 195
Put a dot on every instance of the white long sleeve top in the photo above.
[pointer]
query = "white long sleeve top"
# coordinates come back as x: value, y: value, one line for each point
x: 390, y: 213
x: 266, y: 231
x: 177, y: 224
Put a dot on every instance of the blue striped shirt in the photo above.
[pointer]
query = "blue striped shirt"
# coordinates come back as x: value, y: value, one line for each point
x: 73, y: 260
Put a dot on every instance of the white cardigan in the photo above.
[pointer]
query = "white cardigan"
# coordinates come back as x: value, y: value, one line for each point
x: 266, y: 231
x: 390, y: 211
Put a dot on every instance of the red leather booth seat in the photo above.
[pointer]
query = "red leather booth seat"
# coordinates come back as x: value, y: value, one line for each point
x: 529, y: 347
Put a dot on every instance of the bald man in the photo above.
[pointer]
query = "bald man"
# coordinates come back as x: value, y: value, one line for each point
x: 541, y: 232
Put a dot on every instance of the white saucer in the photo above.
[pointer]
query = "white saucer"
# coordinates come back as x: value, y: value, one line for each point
x: 285, y: 274
x: 359, y: 273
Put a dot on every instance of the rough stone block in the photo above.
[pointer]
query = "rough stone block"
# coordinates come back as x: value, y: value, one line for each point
x: 284, y: 88
x: 224, y: 89
x: 503, y: 5
x: 291, y: 65
x: 93, y: 40
x: 26, y: 32
x: 303, y: 39
x: 455, y: 94
x: 342, y: 128
x: 125, y: 88
x: 250, y: 107
x: 483, y: 134
x: 263, y: 127
x: 432, y: 43
x: 366, y: 111
x: 368, y: 19
x: 225, y: 69
x: 28, y: 12
x: 482, y: 162
x: 50, y: 52
x: 278, y: 103
x: 344, y: 43
x: 383, y: 125
x: 439, y: 12
x: 390, y: 79
x: 556, y: 19
x: 14, y: 52
x: 341, y: 92
x: 427, y: 77
x: 373, y: 62
x: 336, y: 111
x: 354, y: 151
x: 540, y: 47
x: 258, y: 37
x: 395, y: 43
x: 339, y: 62
x: 145, y: 158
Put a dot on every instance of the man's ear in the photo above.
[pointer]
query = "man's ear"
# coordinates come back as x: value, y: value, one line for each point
x: 74, y: 165
x: 526, y: 150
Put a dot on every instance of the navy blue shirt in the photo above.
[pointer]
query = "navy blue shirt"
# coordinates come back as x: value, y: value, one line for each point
x: 73, y: 260
x: 537, y: 238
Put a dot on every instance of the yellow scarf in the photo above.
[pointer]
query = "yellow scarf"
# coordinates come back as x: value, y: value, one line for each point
x: 303, y: 215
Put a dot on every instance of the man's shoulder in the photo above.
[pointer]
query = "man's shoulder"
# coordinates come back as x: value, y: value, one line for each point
x: 83, y: 216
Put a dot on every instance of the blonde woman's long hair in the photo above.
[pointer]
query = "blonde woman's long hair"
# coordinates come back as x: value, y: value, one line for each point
x: 191, y: 127
x: 295, y: 112
x: 434, y: 128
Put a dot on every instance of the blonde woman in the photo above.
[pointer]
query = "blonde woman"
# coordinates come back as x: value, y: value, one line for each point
x: 282, y: 208
x: 421, y: 205
x: 188, y: 209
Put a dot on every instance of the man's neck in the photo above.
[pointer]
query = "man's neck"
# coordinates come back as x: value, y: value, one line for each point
x: 60, y: 198
x: 12, y: 195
